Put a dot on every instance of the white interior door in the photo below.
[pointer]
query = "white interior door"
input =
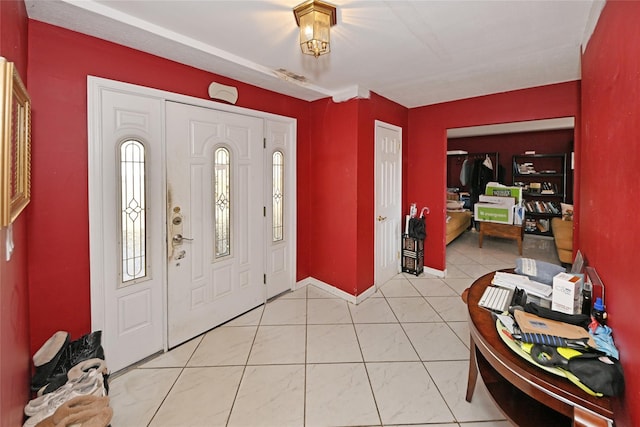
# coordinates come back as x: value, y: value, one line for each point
x: 215, y: 173
x: 388, y: 200
x: 126, y: 216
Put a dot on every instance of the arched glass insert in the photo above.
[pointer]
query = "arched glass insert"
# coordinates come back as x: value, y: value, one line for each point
x: 278, y: 196
x: 222, y: 202
x: 133, y: 211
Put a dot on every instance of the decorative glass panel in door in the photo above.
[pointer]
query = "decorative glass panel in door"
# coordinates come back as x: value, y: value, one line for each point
x: 278, y: 196
x: 222, y: 202
x: 132, y: 212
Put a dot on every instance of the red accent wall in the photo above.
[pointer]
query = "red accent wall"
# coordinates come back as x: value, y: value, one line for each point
x: 375, y: 108
x: 334, y: 185
x: 59, y: 63
x: 425, y: 172
x: 342, y: 184
x: 610, y: 155
x: 14, y: 298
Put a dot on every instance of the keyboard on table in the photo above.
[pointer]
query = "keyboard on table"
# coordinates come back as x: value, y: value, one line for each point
x: 497, y: 299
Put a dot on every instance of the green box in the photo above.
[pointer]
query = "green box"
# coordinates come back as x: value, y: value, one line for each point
x: 493, y: 213
x: 515, y: 192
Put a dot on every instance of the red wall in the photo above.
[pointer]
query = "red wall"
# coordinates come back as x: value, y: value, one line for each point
x: 342, y: 185
x: 333, y: 183
x: 425, y: 173
x: 14, y: 299
x: 59, y: 62
x: 609, y: 178
x: 375, y: 108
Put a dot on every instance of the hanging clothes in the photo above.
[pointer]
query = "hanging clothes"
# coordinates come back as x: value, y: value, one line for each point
x: 465, y: 172
x: 480, y: 176
x: 487, y: 162
x: 502, y: 173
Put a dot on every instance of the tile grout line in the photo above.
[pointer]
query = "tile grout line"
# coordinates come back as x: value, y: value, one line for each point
x: 306, y: 339
x: 244, y: 367
x: 182, y: 369
x: 364, y: 363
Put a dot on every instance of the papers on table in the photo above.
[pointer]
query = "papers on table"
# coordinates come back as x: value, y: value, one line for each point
x: 532, y: 324
x: 512, y: 281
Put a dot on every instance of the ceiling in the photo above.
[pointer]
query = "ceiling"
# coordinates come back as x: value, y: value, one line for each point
x: 412, y: 52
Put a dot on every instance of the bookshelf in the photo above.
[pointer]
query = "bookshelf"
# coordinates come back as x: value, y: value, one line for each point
x: 544, y: 181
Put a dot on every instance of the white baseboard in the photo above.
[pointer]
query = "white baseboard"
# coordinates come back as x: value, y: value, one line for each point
x: 366, y: 294
x: 434, y: 272
x: 335, y: 291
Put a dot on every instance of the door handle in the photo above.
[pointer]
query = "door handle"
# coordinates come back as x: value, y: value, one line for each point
x: 381, y: 218
x: 179, y: 238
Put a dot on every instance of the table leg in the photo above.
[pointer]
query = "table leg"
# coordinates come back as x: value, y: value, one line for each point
x: 473, y: 371
x: 481, y: 235
x: 521, y: 239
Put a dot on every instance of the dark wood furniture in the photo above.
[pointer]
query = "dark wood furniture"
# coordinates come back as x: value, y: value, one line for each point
x: 507, y: 231
x: 527, y: 395
x: 542, y: 205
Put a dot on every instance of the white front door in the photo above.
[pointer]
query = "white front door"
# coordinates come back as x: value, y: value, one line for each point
x: 388, y: 200
x: 280, y: 209
x: 215, y: 176
x: 126, y: 219
x: 149, y: 292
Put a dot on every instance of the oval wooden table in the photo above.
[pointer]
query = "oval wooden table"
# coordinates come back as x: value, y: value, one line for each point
x: 526, y: 394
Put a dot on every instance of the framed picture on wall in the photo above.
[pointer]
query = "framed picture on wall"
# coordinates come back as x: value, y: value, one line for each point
x: 15, y: 144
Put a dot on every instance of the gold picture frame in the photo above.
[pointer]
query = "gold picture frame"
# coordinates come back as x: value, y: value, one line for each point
x: 15, y: 144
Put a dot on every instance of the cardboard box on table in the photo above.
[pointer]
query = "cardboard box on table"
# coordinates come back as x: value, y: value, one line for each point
x: 494, y: 209
x: 566, y: 297
x: 495, y: 189
x: 500, y: 204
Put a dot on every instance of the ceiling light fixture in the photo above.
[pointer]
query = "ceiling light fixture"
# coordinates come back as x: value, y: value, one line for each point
x: 315, y: 18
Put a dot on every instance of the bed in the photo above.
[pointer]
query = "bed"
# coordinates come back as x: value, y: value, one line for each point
x: 457, y: 223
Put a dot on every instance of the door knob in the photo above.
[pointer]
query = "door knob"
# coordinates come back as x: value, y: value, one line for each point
x: 179, y: 238
x: 381, y: 218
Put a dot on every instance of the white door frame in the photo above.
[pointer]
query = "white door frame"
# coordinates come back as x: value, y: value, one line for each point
x: 395, y: 216
x: 94, y: 87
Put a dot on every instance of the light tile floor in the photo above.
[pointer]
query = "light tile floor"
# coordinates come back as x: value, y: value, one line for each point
x: 308, y: 358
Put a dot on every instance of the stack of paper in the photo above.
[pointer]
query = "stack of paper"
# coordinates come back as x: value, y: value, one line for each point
x: 511, y: 281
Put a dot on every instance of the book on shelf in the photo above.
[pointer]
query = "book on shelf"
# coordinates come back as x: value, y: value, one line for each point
x: 548, y: 188
x: 539, y: 206
x: 530, y: 225
x: 543, y: 225
x: 535, y: 187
